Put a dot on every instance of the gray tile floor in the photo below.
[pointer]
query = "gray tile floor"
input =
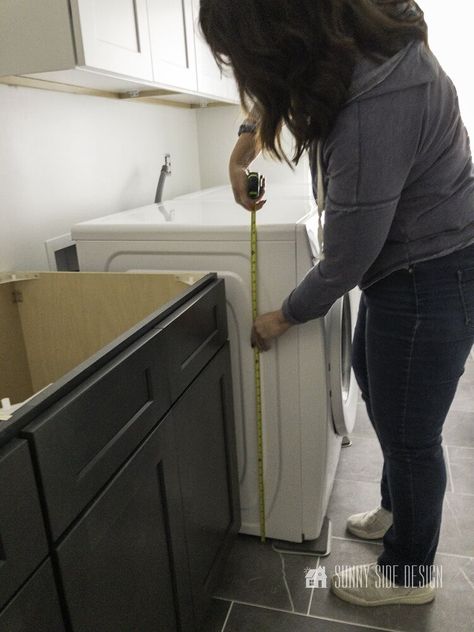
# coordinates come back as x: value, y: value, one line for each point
x: 264, y: 591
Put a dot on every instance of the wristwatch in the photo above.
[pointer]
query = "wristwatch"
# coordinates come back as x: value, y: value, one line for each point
x: 247, y: 128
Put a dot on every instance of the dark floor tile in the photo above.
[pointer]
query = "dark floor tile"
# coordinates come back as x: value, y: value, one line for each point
x: 461, y: 466
x: 458, y: 429
x: 449, y: 482
x: 255, y: 573
x: 452, y: 609
x: 362, y: 461
x: 363, y: 425
x: 461, y: 454
x: 249, y: 619
x: 457, y: 527
x: 216, y: 616
x: 349, y: 497
x: 464, y: 398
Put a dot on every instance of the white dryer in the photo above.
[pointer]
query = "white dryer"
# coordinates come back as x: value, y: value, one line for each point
x: 309, y: 392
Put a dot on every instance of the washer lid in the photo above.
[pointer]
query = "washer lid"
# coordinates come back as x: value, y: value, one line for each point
x: 295, y: 190
x: 344, y: 391
x: 213, y: 217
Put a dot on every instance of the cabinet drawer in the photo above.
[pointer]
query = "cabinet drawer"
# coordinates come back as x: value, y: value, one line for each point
x: 85, y: 437
x: 36, y: 607
x: 22, y: 538
x: 194, y: 334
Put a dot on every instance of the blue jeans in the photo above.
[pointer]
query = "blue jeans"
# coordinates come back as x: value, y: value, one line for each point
x: 414, y: 332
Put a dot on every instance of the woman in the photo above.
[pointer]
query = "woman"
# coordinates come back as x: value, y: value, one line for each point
x: 357, y: 76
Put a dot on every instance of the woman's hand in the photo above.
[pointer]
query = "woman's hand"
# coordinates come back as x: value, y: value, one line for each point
x: 245, y: 151
x: 266, y: 327
x: 238, y: 179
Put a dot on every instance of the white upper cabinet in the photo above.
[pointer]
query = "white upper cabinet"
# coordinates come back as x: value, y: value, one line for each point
x: 210, y: 80
x: 113, y: 35
x: 172, y: 43
x: 112, y: 45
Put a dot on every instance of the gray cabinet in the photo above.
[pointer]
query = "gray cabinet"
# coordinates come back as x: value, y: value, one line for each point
x: 35, y: 608
x: 204, y: 432
x: 23, y: 544
x: 85, y: 437
x: 134, y: 456
x: 123, y: 565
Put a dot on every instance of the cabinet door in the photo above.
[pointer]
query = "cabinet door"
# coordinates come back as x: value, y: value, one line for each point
x: 113, y: 35
x: 35, y: 608
x: 82, y: 440
x: 208, y: 473
x: 172, y: 43
x: 123, y: 565
x: 210, y: 79
x: 23, y: 543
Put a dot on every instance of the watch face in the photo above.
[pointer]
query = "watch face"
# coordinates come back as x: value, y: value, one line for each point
x: 247, y: 128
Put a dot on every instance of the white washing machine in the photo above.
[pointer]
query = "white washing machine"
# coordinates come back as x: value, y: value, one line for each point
x: 309, y: 392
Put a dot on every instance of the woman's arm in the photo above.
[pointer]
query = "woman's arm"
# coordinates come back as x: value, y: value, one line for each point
x: 368, y: 156
x: 246, y: 149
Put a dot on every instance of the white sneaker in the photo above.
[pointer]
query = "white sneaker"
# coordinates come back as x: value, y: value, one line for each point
x: 366, y: 585
x: 371, y: 524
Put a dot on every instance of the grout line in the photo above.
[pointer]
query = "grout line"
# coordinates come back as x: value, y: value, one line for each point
x: 463, y: 557
x: 460, y: 447
x: 359, y: 480
x: 310, y: 602
x: 457, y: 555
x: 361, y: 541
x: 467, y: 578
x: 455, y: 520
x: 356, y: 625
x: 283, y: 572
x: 312, y: 590
x: 451, y: 480
x: 312, y: 616
x: 227, y: 616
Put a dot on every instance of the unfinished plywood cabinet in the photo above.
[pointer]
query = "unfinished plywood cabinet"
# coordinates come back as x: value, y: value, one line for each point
x: 129, y: 382
x: 58, y: 320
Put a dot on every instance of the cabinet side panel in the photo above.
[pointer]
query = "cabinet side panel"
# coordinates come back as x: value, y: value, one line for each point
x: 35, y: 36
x: 15, y: 379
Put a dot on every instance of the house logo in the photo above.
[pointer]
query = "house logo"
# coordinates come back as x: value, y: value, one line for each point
x: 316, y: 577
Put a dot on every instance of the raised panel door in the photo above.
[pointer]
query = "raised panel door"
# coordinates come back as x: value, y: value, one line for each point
x: 172, y: 43
x: 113, y: 35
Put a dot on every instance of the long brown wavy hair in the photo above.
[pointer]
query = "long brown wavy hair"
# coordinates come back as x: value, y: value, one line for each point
x: 294, y: 59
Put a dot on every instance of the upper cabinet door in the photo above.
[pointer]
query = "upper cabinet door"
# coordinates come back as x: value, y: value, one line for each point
x: 113, y: 35
x: 172, y: 43
x: 210, y: 79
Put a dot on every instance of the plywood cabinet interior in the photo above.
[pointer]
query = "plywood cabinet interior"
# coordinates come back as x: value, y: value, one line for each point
x: 58, y: 320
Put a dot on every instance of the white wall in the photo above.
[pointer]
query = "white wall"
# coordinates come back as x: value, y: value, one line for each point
x: 450, y: 28
x: 450, y: 34
x: 217, y: 133
x: 66, y: 158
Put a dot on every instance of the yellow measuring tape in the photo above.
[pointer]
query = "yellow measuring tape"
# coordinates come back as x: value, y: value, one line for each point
x: 258, y: 383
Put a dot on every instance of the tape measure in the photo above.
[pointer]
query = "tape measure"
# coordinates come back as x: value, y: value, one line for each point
x: 254, y: 186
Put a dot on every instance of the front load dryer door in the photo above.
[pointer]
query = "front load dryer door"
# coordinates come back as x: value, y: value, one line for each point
x: 344, y: 392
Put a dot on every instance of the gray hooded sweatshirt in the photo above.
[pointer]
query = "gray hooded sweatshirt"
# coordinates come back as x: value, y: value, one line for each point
x: 399, y: 180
